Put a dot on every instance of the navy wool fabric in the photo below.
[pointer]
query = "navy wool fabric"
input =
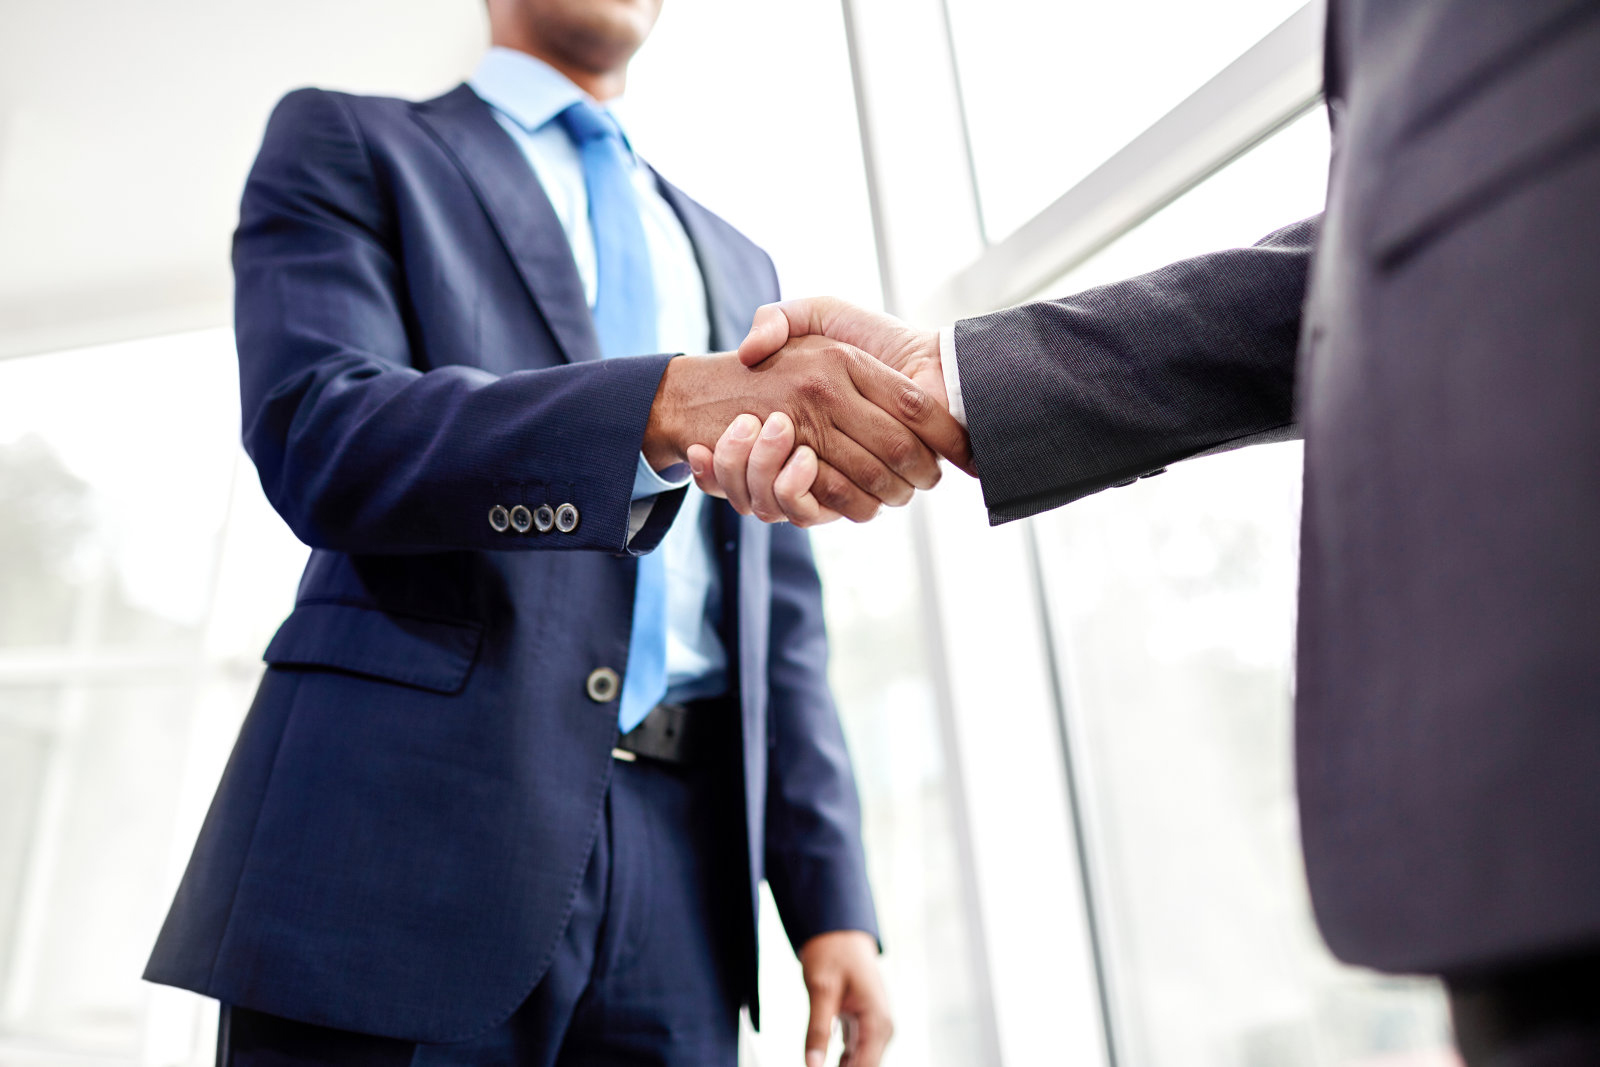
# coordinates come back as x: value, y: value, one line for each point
x: 404, y: 825
x: 1436, y: 340
x: 625, y: 986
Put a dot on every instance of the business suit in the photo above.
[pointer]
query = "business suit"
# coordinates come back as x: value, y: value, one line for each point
x: 1435, y: 338
x: 415, y: 797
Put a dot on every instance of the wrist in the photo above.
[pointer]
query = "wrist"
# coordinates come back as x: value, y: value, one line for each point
x: 688, y: 405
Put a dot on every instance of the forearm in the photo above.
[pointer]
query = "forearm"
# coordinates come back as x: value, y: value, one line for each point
x: 360, y: 454
x: 1065, y: 398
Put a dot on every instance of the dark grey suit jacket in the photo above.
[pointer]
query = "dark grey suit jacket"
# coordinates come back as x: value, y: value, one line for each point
x: 1435, y: 336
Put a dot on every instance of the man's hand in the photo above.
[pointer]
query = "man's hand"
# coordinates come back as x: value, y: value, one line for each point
x: 873, y: 432
x: 912, y: 352
x: 758, y: 468
x: 841, y: 974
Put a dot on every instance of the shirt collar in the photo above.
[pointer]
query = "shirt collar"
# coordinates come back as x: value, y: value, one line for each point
x: 529, y: 91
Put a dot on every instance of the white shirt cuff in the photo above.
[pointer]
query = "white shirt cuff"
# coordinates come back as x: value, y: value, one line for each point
x: 646, y: 482
x: 952, y: 374
x: 647, y: 485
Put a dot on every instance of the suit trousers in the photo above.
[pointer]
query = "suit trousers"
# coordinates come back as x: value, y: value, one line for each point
x: 646, y: 972
x: 1542, y: 1015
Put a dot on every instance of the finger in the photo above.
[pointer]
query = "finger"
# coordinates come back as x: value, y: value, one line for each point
x: 914, y: 408
x: 774, y: 324
x: 864, y: 468
x: 864, y: 422
x: 866, y: 1038
x: 767, y: 458
x: 769, y: 331
x: 825, y: 996
x: 793, y: 490
x: 731, y: 457
x: 705, y: 476
x: 836, y: 492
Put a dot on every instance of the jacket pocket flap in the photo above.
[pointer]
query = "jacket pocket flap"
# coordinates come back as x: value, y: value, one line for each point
x: 428, y: 653
x: 1532, y: 118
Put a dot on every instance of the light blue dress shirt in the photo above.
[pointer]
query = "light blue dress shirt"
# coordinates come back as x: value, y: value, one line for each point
x: 526, y: 94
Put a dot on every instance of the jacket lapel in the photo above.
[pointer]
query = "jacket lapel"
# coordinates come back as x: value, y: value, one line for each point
x: 519, y: 210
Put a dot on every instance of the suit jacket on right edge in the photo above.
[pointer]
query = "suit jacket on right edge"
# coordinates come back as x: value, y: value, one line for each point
x: 1445, y: 373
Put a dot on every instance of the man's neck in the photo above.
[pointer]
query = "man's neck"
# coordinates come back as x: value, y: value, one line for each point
x: 602, y: 85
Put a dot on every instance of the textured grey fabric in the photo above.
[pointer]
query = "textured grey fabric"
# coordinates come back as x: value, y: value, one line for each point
x: 1137, y: 375
x: 1447, y: 384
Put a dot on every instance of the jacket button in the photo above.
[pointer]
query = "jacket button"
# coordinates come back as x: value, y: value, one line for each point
x: 521, y: 519
x: 566, y: 518
x: 603, y: 685
x: 544, y: 518
x: 499, y: 519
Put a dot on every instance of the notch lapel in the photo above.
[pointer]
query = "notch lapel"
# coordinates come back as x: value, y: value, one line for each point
x: 520, y: 212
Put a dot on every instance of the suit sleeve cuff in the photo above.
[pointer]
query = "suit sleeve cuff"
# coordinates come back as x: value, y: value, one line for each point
x: 648, y: 482
x: 648, y: 485
x: 952, y: 374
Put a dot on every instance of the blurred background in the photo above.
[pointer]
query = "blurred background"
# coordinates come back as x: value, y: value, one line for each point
x: 1073, y: 735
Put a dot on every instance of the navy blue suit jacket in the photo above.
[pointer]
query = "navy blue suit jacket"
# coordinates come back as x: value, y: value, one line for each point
x: 412, y: 799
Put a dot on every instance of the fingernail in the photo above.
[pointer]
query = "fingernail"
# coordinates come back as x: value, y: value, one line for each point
x: 696, y: 467
x: 743, y: 427
x: 813, y: 1058
x: 773, y: 428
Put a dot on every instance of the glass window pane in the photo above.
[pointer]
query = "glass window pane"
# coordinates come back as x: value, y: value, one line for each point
x: 883, y: 682
x: 1174, y: 607
x: 1052, y: 90
x: 93, y: 819
x: 1282, y: 180
x: 115, y: 468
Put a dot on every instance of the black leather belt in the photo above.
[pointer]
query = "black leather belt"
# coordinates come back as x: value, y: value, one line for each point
x: 672, y: 733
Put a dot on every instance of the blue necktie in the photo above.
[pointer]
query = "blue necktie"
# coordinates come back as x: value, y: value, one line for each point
x: 625, y: 319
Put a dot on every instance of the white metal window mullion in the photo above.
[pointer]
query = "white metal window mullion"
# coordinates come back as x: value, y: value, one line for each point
x: 1272, y: 83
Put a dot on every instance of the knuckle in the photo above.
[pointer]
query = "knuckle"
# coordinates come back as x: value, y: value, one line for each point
x: 902, y: 450
x: 832, y: 492
x: 913, y: 403
x: 878, y: 482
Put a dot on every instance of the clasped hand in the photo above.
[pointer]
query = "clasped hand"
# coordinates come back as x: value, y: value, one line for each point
x: 865, y: 418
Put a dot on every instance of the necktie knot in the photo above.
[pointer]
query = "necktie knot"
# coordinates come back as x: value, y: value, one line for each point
x: 585, y: 123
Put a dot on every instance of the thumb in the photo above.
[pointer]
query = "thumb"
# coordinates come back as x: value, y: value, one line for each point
x: 768, y: 332
x: 825, y: 1000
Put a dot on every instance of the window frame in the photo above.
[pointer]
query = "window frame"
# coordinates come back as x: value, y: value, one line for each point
x: 1001, y: 574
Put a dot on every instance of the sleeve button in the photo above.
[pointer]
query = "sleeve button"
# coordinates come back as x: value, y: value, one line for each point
x: 544, y: 518
x: 521, y: 519
x: 499, y: 519
x: 566, y: 518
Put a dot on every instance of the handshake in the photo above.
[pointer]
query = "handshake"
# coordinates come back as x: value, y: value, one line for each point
x: 827, y: 410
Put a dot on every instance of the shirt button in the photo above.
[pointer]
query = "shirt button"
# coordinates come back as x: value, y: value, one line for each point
x: 544, y: 518
x: 566, y: 518
x: 603, y: 685
x: 499, y: 519
x: 521, y: 519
